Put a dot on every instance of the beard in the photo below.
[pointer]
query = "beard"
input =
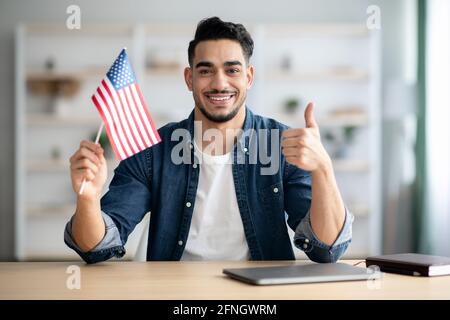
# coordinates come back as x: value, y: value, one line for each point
x: 222, y: 117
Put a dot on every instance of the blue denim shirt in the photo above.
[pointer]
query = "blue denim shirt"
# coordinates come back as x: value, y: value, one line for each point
x: 268, y: 196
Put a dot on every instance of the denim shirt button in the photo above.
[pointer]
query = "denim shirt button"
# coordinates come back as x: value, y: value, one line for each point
x: 188, y: 204
x: 275, y: 190
x: 180, y: 243
x: 307, y: 240
x: 245, y: 150
x: 194, y: 166
x: 191, y: 146
x: 305, y: 246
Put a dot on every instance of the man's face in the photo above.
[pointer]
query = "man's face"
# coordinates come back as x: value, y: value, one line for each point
x: 219, y: 79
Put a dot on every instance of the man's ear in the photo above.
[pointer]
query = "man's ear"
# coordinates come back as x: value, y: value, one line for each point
x: 188, y: 77
x: 250, y: 73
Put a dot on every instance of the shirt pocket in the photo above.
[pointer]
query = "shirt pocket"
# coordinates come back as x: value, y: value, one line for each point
x: 272, y: 202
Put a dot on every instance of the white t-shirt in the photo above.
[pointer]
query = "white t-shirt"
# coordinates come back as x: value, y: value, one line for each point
x: 216, y: 231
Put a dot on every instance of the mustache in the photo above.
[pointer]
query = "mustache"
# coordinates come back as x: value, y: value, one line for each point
x: 220, y: 92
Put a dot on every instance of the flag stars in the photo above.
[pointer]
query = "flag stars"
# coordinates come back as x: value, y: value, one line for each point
x: 121, y: 73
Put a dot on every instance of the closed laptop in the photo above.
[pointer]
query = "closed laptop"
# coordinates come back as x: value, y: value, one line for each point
x: 305, y: 273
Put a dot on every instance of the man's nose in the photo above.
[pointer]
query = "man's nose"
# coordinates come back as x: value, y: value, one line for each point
x: 219, y: 81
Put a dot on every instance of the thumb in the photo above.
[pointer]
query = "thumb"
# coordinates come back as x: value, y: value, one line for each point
x: 309, y: 116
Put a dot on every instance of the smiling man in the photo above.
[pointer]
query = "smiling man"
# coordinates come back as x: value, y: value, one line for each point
x: 219, y: 204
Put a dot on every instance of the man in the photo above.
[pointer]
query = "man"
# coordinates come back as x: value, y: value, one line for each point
x: 208, y: 197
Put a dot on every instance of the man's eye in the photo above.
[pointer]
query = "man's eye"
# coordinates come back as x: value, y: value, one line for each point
x: 233, y: 70
x: 204, y: 71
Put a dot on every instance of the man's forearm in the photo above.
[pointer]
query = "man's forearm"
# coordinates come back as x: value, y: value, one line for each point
x: 327, y: 207
x: 88, y: 227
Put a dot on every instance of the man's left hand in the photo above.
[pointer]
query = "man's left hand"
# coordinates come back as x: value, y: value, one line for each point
x: 303, y: 148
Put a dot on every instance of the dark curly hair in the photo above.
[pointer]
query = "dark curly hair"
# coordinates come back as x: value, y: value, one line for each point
x: 215, y: 29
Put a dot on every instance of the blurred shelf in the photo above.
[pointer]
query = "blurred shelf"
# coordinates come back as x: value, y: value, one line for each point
x: 326, y: 75
x: 63, y: 211
x: 50, y: 120
x: 55, y: 166
x: 65, y: 75
x: 164, y: 72
x: 169, y: 29
x: 354, y: 120
x: 350, y: 165
x: 91, y: 29
x: 344, y: 121
x: 324, y: 29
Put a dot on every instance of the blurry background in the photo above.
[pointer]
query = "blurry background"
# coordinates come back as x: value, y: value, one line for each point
x: 377, y: 70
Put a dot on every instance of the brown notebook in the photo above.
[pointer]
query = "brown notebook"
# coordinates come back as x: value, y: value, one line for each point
x: 412, y: 264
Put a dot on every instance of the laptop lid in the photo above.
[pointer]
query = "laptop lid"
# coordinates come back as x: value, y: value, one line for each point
x: 307, y: 273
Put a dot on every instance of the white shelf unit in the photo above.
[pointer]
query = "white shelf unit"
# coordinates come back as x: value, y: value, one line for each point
x: 323, y: 68
x: 338, y: 67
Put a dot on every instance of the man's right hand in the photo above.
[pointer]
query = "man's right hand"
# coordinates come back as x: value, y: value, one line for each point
x: 89, y: 163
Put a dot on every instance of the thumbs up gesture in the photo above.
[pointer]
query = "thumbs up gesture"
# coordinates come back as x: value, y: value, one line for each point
x: 303, y: 148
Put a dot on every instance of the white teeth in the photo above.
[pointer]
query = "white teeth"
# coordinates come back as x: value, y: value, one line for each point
x: 220, y: 98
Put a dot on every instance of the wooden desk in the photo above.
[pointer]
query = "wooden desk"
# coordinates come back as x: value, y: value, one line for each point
x: 194, y: 280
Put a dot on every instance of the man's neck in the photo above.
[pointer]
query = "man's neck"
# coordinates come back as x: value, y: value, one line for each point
x: 229, y: 131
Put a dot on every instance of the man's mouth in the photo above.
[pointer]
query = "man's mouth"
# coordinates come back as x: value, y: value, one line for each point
x: 220, y: 99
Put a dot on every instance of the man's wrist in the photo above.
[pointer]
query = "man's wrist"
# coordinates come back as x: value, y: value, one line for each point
x: 88, y: 203
x: 88, y: 198
x: 325, y: 169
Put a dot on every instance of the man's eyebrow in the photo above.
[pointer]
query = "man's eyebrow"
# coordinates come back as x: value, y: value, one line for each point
x: 204, y: 64
x: 232, y: 63
x: 210, y: 64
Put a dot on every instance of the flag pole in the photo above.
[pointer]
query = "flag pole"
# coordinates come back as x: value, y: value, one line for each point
x: 97, y: 138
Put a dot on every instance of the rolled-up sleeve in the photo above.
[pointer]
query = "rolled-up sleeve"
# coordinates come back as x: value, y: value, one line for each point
x: 316, y: 250
x: 110, y: 246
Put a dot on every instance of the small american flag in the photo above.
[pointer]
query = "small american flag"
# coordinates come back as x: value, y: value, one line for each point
x: 121, y: 105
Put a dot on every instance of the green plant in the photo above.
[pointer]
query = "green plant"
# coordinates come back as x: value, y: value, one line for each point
x: 292, y: 105
x: 56, y: 152
x: 349, y: 133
